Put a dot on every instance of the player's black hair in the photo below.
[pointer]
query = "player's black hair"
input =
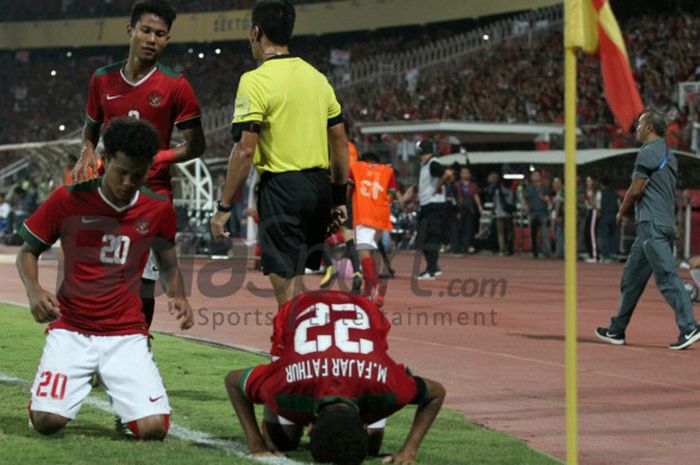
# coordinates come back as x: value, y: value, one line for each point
x: 135, y: 138
x: 275, y: 18
x: 369, y: 156
x: 339, y: 436
x: 161, y: 8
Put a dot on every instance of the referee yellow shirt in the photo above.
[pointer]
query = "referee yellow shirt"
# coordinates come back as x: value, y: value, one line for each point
x: 294, y: 105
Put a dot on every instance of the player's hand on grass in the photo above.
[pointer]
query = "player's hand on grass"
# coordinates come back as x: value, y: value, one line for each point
x: 43, y: 305
x: 183, y: 312
x: 339, y: 215
x: 218, y: 225
x: 400, y: 458
x: 86, y: 166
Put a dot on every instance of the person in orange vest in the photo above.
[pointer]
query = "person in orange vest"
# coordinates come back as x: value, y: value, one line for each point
x: 372, y: 184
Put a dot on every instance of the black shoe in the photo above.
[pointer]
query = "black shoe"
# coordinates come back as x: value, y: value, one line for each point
x: 122, y: 428
x: 605, y: 335
x: 686, y: 339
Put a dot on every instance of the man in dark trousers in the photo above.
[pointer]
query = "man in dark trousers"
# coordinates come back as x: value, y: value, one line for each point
x: 652, y: 193
x: 431, y: 197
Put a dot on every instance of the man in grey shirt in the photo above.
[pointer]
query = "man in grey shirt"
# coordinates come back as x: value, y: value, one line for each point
x: 652, y: 193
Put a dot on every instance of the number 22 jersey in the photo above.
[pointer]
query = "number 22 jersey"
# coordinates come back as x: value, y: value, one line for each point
x: 331, y: 345
x: 105, y: 249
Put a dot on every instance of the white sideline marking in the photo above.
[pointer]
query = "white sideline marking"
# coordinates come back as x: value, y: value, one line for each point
x: 180, y: 432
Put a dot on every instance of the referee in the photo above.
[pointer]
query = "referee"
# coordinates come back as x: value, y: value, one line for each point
x: 286, y: 115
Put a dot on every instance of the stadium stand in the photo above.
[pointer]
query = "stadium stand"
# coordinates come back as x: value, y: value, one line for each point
x: 64, y: 9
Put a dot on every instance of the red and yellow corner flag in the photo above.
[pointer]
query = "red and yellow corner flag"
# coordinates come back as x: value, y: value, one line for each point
x: 591, y: 25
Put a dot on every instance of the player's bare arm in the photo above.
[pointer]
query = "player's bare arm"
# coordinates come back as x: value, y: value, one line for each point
x: 175, y: 287
x: 193, y: 146
x: 634, y: 192
x: 239, y: 164
x: 43, y: 304
x: 425, y: 414
x: 246, y: 415
x: 86, y: 166
x: 338, y: 140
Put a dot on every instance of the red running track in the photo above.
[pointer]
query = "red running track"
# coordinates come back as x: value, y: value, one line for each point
x: 502, y: 356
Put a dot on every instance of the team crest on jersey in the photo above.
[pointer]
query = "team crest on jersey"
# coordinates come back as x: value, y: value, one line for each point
x: 155, y: 99
x: 142, y: 226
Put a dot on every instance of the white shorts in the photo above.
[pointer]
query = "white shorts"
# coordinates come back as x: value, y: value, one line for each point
x: 366, y: 237
x: 150, y: 271
x: 124, y: 364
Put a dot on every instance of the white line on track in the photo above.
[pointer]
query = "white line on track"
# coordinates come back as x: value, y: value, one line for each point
x: 180, y: 432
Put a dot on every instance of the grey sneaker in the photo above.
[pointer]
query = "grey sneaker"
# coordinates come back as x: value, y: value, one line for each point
x: 686, y: 339
x: 605, y: 335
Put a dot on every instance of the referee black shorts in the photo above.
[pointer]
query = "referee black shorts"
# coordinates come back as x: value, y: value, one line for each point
x: 294, y: 209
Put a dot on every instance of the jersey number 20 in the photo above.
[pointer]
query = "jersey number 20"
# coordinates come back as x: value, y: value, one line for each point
x: 356, y: 318
x: 115, y: 250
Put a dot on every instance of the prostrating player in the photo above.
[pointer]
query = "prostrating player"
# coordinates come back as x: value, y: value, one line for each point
x: 106, y: 227
x: 373, y: 185
x: 142, y: 88
x: 333, y: 370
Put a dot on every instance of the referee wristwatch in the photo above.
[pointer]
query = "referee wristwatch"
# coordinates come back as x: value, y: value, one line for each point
x: 220, y: 207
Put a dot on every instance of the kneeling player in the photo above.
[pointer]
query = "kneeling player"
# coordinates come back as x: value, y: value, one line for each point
x: 333, y: 371
x: 106, y: 228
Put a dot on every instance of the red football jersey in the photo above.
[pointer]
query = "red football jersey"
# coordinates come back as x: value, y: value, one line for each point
x: 331, y: 344
x: 162, y: 97
x: 105, y: 248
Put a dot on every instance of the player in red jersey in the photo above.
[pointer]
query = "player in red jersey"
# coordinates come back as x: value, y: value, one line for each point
x: 333, y: 370
x: 142, y: 88
x: 106, y: 227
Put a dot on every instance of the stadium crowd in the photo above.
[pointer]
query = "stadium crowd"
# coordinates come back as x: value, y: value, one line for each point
x: 45, y: 95
x: 66, y: 9
x: 45, y: 90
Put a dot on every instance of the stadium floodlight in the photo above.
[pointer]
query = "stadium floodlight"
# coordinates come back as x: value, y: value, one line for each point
x: 53, y: 72
x: 69, y: 54
x: 217, y: 51
x: 514, y: 176
x: 62, y: 128
x: 201, y: 55
x: 190, y: 51
x: 485, y: 37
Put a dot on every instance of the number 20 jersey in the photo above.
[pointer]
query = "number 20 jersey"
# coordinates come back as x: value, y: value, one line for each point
x: 331, y: 345
x: 105, y: 249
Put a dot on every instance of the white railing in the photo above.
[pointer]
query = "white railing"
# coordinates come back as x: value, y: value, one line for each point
x: 447, y: 49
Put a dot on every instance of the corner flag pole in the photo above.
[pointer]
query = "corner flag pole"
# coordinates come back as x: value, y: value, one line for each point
x: 570, y: 254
